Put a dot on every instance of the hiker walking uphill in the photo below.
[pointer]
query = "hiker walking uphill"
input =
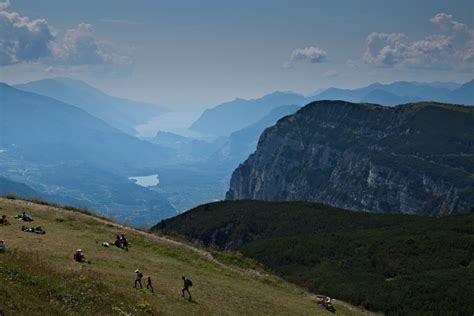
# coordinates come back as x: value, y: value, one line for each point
x: 186, y: 285
x: 149, y: 286
x: 138, y: 278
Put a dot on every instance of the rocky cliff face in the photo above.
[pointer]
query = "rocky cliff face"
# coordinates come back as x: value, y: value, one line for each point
x: 415, y: 158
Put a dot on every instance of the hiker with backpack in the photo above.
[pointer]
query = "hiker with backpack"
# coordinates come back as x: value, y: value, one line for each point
x: 186, y: 285
x: 138, y: 278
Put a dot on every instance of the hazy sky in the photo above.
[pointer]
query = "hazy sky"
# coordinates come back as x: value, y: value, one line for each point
x: 200, y: 53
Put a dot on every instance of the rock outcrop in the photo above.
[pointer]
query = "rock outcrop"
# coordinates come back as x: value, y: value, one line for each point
x: 414, y: 158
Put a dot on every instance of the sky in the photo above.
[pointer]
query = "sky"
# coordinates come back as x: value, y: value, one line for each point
x: 195, y: 54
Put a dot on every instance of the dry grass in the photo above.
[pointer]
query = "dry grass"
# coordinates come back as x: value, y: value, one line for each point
x: 38, y: 275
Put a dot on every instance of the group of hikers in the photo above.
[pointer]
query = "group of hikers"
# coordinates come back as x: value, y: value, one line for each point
x: 187, y: 283
x: 138, y: 281
x: 122, y: 243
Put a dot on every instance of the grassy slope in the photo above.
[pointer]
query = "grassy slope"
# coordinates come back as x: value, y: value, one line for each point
x: 38, y: 275
x: 398, y: 264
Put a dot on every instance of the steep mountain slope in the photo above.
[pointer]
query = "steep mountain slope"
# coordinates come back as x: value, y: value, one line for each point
x: 120, y: 113
x: 416, y: 158
x: 242, y: 143
x: 229, y: 117
x: 63, y: 152
x: 39, y: 277
x: 398, y: 264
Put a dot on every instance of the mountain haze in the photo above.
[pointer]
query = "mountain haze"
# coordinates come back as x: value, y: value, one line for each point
x: 232, y: 116
x: 72, y: 157
x: 229, y: 117
x: 118, y: 112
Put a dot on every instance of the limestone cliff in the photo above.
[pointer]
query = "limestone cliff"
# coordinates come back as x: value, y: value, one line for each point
x: 414, y: 158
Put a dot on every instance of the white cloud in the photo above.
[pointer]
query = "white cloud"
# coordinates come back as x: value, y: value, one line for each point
x: 311, y: 54
x: 25, y: 40
x: 451, y: 48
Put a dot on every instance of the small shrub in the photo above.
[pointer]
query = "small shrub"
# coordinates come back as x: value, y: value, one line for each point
x: 144, y: 305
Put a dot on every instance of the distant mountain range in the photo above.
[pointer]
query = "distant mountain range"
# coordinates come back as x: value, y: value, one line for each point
x: 118, y: 112
x: 240, y: 144
x: 415, y: 158
x: 63, y: 152
x: 229, y: 117
x: 232, y: 116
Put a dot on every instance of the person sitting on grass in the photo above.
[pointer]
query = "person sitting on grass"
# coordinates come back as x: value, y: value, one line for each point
x: 118, y: 242
x: 124, y: 242
x: 3, y: 247
x: 186, y: 285
x: 4, y: 220
x: 79, y: 257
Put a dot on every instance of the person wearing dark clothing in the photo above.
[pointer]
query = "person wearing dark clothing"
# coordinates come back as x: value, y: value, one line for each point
x: 149, y: 286
x: 118, y: 242
x: 79, y: 257
x: 4, y: 220
x: 186, y: 285
x: 124, y: 242
x: 25, y: 217
x: 138, y: 278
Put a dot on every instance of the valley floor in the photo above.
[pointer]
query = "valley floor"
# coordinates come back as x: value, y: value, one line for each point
x: 38, y: 275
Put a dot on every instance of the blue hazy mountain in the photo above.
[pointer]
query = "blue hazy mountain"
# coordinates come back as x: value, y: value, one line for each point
x: 187, y: 149
x: 39, y: 125
x: 379, y: 96
x: 10, y: 187
x: 392, y: 94
x: 242, y: 143
x: 463, y: 94
x: 65, y: 153
x: 120, y: 113
x: 232, y: 116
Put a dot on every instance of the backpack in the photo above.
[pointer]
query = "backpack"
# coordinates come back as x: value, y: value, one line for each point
x: 140, y: 275
x: 190, y: 283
